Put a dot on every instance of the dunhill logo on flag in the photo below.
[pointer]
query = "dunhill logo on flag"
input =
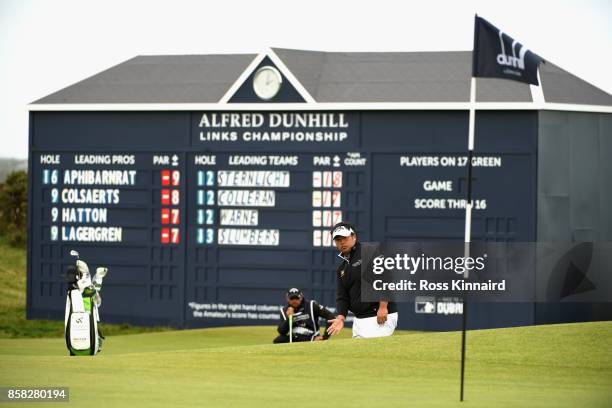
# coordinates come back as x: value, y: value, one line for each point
x: 511, y: 60
x: 497, y: 55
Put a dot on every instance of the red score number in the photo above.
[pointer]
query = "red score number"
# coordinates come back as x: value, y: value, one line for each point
x: 170, y: 197
x: 170, y: 177
x: 170, y: 236
x: 170, y: 216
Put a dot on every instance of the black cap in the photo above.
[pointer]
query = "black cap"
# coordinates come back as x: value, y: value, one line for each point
x: 342, y: 229
x: 294, y: 293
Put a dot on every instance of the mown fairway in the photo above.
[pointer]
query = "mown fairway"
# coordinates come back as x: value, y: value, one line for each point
x: 545, y: 366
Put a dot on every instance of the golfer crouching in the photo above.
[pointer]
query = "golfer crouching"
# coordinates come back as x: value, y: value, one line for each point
x: 304, y: 316
x: 372, y: 319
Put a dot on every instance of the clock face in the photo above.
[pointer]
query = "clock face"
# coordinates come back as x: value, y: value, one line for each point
x: 267, y: 82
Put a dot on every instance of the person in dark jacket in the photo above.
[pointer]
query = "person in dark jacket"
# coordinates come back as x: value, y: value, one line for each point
x: 306, y: 315
x: 372, y: 319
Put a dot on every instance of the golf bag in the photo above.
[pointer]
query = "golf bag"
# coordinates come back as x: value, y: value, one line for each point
x: 83, y: 337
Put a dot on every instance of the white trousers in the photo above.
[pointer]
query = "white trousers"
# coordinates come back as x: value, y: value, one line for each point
x: 368, y: 327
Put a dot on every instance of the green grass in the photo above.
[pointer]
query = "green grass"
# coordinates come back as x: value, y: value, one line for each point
x: 13, y: 322
x: 541, y: 366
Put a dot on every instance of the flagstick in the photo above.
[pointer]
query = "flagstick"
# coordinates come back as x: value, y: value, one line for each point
x: 468, y: 222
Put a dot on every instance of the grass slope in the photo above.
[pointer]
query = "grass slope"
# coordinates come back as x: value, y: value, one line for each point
x: 558, y: 365
x: 542, y: 366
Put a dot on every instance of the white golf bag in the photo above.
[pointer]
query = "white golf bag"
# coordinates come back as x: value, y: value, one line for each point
x: 81, y: 318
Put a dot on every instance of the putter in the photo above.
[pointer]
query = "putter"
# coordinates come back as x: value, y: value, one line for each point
x: 290, y: 328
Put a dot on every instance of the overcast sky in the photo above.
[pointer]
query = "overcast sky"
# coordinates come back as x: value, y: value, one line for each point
x: 50, y: 44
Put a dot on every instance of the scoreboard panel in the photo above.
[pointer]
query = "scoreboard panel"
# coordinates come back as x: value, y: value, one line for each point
x: 206, y: 218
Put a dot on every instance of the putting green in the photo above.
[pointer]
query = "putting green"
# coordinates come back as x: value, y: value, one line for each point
x: 566, y: 365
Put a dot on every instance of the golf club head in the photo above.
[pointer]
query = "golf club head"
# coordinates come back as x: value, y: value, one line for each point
x: 101, y: 271
x: 82, y: 267
x: 74, y: 253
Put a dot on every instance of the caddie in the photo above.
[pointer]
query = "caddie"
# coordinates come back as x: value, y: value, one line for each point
x: 305, y: 315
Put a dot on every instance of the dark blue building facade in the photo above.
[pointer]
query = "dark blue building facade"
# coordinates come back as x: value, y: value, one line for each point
x: 205, y: 217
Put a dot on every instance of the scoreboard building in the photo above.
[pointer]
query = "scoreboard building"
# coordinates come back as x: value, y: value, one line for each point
x: 208, y: 184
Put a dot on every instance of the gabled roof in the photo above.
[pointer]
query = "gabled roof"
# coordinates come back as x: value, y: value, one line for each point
x: 158, y: 79
x: 328, y: 77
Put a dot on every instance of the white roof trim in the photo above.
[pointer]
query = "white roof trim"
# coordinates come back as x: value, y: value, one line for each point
x: 281, y: 67
x: 352, y: 106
